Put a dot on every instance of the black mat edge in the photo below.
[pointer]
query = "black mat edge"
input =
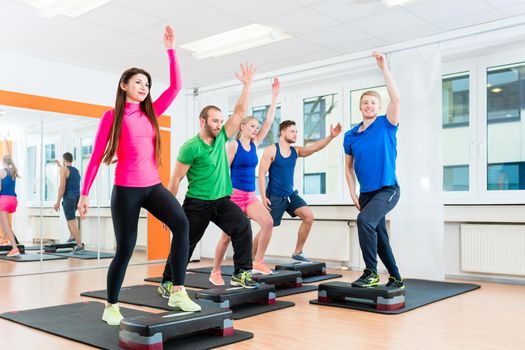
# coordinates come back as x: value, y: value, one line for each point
x: 239, y: 334
x: 371, y: 308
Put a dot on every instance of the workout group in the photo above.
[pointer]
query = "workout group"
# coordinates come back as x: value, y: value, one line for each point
x: 222, y: 179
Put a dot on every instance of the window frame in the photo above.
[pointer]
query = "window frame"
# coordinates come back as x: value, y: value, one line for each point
x: 477, y: 67
x: 339, y: 197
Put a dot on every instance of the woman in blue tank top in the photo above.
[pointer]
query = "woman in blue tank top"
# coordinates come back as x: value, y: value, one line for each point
x: 8, y: 201
x: 242, y: 157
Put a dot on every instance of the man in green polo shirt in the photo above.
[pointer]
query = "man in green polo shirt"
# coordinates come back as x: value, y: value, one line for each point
x: 203, y: 160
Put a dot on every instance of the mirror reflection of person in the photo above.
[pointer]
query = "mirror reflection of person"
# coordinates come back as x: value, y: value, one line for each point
x: 8, y: 200
x: 69, y: 193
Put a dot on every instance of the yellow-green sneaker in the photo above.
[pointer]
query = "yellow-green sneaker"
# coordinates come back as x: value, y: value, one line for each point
x: 112, y: 315
x: 165, y: 289
x: 181, y: 300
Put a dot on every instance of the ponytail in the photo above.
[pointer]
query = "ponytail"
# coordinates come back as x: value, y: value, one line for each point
x: 13, y: 172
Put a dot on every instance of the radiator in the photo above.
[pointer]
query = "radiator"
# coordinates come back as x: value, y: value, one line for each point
x: 328, y: 240
x: 498, y: 249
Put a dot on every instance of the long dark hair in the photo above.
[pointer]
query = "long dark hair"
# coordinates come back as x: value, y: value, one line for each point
x: 147, y: 108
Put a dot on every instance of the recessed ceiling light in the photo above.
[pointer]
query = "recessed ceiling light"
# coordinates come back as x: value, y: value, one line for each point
x: 497, y: 90
x: 236, y: 40
x: 395, y: 2
x: 71, y: 8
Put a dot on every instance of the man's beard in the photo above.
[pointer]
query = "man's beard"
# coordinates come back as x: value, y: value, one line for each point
x: 289, y: 140
x: 209, y: 131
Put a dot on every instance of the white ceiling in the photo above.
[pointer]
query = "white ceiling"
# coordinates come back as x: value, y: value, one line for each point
x: 126, y: 33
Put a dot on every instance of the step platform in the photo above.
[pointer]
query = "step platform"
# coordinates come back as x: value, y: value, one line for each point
x: 281, y: 279
x: 384, y: 298
x: 312, y: 268
x: 62, y: 247
x: 228, y: 297
x: 4, y: 249
x: 150, y: 332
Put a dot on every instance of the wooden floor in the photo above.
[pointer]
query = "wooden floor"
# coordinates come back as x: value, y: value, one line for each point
x: 492, y: 317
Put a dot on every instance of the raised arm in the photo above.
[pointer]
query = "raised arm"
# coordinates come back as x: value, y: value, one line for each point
x: 166, y: 98
x: 3, y: 174
x: 234, y: 121
x: 270, y: 116
x: 264, y: 165
x: 101, y: 141
x: 61, y: 185
x: 351, y: 180
x: 319, y: 145
x: 393, y: 110
x: 178, y: 174
x: 8, y: 147
x: 231, y: 150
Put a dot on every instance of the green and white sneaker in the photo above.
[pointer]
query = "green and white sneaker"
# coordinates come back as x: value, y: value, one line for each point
x: 165, y: 289
x: 182, y: 300
x: 395, y: 283
x: 112, y: 315
x: 243, y: 279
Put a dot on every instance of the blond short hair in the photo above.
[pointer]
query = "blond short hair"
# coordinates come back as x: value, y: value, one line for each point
x: 370, y: 93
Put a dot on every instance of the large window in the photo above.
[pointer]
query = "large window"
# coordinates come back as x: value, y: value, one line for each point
x: 315, y: 110
x: 315, y: 183
x: 273, y: 135
x: 104, y: 176
x: 31, y: 176
x: 50, y: 173
x: 456, y: 100
x: 456, y: 178
x: 321, y: 171
x: 505, y: 130
x: 456, y: 131
x: 86, y: 149
x: 505, y: 93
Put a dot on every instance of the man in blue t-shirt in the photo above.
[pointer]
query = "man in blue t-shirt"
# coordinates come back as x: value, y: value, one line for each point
x: 370, y: 153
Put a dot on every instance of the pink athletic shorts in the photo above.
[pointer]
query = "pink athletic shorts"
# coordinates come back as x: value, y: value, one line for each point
x: 243, y: 199
x: 8, y: 204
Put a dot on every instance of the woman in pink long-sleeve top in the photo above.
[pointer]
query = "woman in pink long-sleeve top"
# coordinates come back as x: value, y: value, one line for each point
x: 131, y: 131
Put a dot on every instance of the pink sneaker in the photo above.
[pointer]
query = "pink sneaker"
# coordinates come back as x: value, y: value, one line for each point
x: 260, y: 267
x: 14, y: 252
x: 216, y: 278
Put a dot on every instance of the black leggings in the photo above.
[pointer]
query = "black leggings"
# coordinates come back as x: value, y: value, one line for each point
x: 125, y: 207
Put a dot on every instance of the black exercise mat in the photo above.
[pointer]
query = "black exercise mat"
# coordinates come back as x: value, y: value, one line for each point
x: 227, y: 270
x: 82, y: 322
x: 201, y: 280
x: 31, y: 257
x: 86, y: 255
x: 153, y: 279
x: 328, y: 276
x: 418, y: 293
x: 147, y: 295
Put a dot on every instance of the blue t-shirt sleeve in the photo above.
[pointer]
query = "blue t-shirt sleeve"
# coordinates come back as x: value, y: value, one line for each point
x: 389, y: 125
x: 347, y: 146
